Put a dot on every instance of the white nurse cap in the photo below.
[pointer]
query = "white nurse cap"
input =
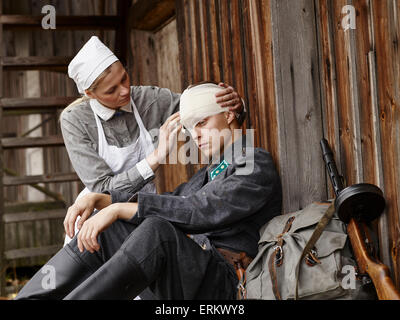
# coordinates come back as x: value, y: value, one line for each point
x: 89, y: 63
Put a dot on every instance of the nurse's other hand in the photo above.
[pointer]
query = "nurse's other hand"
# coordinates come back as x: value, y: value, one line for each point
x: 229, y: 98
x: 168, y: 137
x: 84, y: 207
x: 92, y: 227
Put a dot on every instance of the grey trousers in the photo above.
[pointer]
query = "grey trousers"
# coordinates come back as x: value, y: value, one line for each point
x: 153, y: 255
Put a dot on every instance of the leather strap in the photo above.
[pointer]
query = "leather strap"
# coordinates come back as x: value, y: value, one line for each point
x: 276, y: 259
x: 240, y: 261
x: 326, y: 218
x: 274, y: 280
x: 235, y: 257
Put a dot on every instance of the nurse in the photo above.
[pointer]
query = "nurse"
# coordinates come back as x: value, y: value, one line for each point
x: 106, y: 132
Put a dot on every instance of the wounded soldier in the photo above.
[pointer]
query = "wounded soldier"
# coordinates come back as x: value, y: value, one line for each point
x: 180, y: 244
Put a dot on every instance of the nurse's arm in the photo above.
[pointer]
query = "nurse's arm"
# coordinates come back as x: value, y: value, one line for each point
x: 93, y: 171
x: 168, y: 138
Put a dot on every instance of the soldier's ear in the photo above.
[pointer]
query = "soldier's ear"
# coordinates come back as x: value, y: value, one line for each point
x: 230, y: 116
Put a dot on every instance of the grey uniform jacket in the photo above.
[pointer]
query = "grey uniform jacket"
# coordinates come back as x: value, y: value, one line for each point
x: 228, y: 211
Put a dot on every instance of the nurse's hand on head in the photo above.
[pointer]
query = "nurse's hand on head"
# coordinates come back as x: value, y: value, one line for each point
x: 229, y: 98
x: 84, y: 207
x: 167, y: 140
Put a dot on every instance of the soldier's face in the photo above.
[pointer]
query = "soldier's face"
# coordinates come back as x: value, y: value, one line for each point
x: 212, y: 134
x: 114, y: 90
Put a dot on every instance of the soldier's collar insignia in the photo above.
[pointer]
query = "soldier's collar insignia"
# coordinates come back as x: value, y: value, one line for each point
x: 221, y: 167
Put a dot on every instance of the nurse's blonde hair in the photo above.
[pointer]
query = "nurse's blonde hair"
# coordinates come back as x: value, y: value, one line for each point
x: 93, y: 87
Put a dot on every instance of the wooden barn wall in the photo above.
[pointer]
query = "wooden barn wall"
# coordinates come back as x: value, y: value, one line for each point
x: 154, y: 61
x: 304, y: 77
x: 42, y: 84
x: 360, y: 72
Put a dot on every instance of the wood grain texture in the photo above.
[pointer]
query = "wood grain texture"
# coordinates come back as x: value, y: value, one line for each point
x: 2, y: 225
x: 330, y: 115
x: 34, y: 216
x: 149, y: 15
x: 168, y: 75
x: 46, y: 178
x: 42, y: 102
x: 37, y: 63
x: 32, y: 252
x: 386, y: 31
x: 378, y: 272
x: 9, y: 143
x: 360, y: 89
x: 296, y: 67
x: 258, y: 76
x: 12, y: 22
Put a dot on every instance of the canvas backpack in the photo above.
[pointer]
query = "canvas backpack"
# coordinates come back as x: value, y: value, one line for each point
x: 281, y: 267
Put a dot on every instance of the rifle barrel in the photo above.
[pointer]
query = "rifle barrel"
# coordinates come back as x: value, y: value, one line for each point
x: 334, y: 175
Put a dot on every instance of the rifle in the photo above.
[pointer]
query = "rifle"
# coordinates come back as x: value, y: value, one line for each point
x: 356, y: 205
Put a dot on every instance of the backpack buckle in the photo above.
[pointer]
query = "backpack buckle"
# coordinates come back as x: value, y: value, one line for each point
x: 312, y: 258
x: 278, y: 255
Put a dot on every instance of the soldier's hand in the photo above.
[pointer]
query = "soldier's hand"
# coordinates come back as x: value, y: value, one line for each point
x: 92, y: 227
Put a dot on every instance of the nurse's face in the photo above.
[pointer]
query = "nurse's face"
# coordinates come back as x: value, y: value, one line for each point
x: 213, y: 133
x: 113, y: 91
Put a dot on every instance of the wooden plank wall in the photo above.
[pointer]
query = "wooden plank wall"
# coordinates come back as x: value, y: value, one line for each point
x: 296, y: 68
x: 155, y: 62
x: 2, y: 224
x: 360, y: 71
x: 304, y: 77
x: 386, y: 26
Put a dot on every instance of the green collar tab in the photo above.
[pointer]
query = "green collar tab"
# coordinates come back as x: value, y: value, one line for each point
x: 221, y: 167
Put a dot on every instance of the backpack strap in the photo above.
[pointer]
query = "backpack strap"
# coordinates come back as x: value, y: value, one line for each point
x: 326, y: 218
x: 276, y: 259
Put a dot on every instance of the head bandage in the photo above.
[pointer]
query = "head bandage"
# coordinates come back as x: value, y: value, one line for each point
x: 89, y: 63
x: 198, y: 103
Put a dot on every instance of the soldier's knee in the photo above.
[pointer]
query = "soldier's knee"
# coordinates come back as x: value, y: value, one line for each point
x: 156, y: 224
x: 151, y: 232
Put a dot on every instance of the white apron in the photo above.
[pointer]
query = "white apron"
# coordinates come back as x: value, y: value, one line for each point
x: 122, y: 159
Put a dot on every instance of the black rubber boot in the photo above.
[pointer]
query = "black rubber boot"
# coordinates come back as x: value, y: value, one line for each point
x: 60, y: 275
x: 120, y: 278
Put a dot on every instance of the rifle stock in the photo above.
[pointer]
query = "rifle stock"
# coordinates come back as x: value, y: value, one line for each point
x: 378, y: 272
